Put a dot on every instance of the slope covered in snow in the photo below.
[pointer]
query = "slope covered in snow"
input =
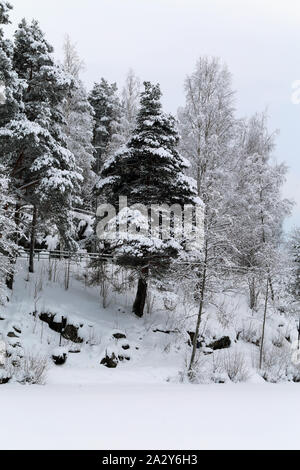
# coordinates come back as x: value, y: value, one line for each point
x: 86, y: 405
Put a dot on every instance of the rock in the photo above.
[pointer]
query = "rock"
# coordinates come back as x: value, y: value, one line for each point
x: 222, y: 343
x: 191, y: 341
x: 59, y: 358
x: 110, y: 361
x: 71, y: 333
x: 15, y: 345
x: 68, y: 331
x: 122, y: 358
x: 17, y: 330
x: 125, y: 347
x: 167, y: 332
x: 119, y: 336
x: 4, y: 379
x: 11, y: 334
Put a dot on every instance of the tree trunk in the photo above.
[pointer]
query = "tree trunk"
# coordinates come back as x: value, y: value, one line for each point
x: 264, y: 326
x: 32, y: 240
x: 199, y: 318
x: 9, y: 281
x: 271, y: 288
x: 253, y: 294
x: 140, y: 300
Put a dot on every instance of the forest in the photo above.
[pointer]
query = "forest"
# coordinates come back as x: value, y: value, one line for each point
x: 218, y: 305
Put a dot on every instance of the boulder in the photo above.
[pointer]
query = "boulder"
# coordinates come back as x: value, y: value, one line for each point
x: 191, y: 340
x: 123, y: 358
x: 67, y: 330
x: 110, y: 361
x: 59, y: 357
x: 222, y: 343
x: 119, y: 336
x: 4, y: 379
x: 11, y: 334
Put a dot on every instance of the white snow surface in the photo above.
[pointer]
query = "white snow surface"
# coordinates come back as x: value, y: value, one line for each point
x: 141, y: 404
x: 118, y: 415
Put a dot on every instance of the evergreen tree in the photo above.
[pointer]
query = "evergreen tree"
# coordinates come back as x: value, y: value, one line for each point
x: 8, y: 230
x: 107, y: 113
x: 12, y: 86
x: 149, y: 171
x: 43, y: 170
x: 11, y: 109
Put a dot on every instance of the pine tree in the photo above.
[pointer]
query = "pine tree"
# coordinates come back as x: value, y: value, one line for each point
x: 8, y: 230
x: 11, y: 110
x: 149, y: 171
x: 107, y: 114
x: 43, y: 170
x: 13, y: 87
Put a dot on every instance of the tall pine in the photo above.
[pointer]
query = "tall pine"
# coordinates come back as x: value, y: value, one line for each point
x: 44, y: 171
x: 107, y: 113
x: 148, y: 171
x: 11, y: 110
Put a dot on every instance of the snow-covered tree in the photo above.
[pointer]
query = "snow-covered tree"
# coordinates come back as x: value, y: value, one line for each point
x: 208, y: 127
x: 12, y: 86
x: 130, y: 104
x: 207, y: 123
x: 8, y: 230
x: 44, y: 171
x: 149, y: 171
x: 294, y: 253
x: 11, y: 110
x: 257, y: 207
x: 107, y: 114
x: 78, y: 114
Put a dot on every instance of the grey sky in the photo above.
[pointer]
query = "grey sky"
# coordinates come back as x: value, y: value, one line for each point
x: 162, y: 39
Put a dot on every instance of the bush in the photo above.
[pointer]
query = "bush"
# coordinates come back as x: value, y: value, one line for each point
x: 33, y: 369
x: 232, y: 363
x: 276, y: 365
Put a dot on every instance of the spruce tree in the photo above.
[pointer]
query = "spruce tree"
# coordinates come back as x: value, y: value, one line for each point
x: 11, y: 109
x: 12, y: 86
x: 43, y: 170
x: 107, y: 113
x: 148, y: 171
x: 8, y: 230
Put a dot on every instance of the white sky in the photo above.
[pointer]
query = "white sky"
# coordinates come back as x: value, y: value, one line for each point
x: 162, y: 39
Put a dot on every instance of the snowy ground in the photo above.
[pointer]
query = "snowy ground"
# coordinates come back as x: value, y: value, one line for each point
x: 150, y: 416
x: 140, y: 404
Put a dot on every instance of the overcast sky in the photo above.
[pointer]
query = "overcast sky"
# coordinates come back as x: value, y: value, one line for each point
x: 162, y: 39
